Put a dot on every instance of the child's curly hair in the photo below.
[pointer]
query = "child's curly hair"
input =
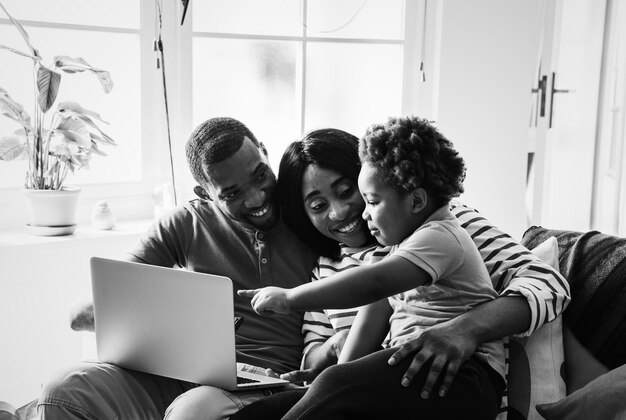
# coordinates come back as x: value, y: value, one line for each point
x: 409, y: 153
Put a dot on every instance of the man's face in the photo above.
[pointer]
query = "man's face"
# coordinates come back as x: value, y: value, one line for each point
x: 243, y: 186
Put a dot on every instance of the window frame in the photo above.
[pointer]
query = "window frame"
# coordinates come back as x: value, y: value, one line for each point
x: 132, y: 199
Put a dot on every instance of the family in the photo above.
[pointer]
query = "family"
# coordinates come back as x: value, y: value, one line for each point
x: 368, y: 283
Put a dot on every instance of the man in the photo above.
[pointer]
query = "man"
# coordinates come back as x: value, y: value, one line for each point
x: 233, y: 230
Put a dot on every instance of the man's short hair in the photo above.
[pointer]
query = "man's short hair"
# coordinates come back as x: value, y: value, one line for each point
x: 213, y: 141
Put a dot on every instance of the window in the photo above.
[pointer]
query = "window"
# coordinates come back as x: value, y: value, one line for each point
x: 307, y: 64
x: 304, y: 65
x: 108, y: 35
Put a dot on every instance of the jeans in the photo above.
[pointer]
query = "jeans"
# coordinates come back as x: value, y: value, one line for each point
x: 369, y: 388
x: 94, y: 390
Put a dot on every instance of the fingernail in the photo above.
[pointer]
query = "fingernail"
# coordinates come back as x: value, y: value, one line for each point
x: 442, y: 392
x: 392, y: 361
x: 406, y: 382
x: 424, y: 395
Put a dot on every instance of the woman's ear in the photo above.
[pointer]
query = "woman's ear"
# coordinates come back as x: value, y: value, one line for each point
x: 201, y: 192
x: 420, y: 200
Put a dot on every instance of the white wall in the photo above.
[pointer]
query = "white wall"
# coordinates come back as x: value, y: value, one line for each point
x: 485, y: 54
x: 40, y: 279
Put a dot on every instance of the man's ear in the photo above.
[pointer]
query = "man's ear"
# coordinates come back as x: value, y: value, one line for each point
x: 263, y: 149
x: 420, y: 200
x: 201, y: 192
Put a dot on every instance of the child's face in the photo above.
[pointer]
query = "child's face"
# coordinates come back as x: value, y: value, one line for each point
x: 388, y: 212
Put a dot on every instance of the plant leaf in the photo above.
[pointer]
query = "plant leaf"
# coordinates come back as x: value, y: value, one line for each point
x: 102, y: 137
x: 68, y: 109
x: 74, y: 131
x: 75, y: 65
x: 18, y: 52
x: 12, y: 147
x: 96, y: 149
x: 21, y: 30
x: 48, y: 86
x: 13, y: 110
x: 72, y: 110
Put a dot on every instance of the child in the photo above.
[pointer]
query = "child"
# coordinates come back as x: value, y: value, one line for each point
x: 409, y: 174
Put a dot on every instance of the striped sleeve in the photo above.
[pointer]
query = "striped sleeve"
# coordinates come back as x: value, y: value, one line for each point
x: 514, y: 270
x: 316, y: 326
x: 316, y: 329
x: 319, y: 326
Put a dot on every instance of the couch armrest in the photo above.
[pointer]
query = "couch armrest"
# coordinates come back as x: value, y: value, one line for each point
x: 594, y: 264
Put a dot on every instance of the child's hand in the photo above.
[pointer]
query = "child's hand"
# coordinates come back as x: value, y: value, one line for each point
x: 268, y: 300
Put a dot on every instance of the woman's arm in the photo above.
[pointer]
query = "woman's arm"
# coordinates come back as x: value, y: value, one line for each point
x: 516, y: 271
x: 368, y: 331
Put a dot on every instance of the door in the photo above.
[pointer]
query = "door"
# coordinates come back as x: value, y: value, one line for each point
x: 564, y: 114
x: 609, y: 209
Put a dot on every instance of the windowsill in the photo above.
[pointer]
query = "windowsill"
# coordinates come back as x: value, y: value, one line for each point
x: 20, y: 237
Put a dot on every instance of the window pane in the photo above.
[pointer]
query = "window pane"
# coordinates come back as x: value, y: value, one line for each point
x: 365, y: 88
x: 112, y: 13
x: 120, y: 108
x: 268, y: 17
x: 382, y: 19
x: 253, y: 81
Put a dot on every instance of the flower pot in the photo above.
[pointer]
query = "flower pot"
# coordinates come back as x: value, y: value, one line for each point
x: 52, y: 212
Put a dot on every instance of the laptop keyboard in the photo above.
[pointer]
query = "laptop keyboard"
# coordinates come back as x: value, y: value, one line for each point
x: 241, y: 380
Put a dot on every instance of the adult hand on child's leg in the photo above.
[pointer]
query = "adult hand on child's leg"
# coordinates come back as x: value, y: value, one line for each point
x: 443, y: 344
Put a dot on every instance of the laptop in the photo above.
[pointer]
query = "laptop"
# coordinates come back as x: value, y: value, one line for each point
x: 168, y: 322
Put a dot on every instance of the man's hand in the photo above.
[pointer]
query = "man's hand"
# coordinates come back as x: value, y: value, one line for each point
x: 446, y: 346
x: 81, y: 315
x: 268, y: 300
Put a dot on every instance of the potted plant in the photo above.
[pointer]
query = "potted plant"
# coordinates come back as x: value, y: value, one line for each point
x: 57, y: 140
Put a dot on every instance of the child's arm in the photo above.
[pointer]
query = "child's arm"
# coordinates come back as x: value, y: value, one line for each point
x: 355, y: 287
x: 366, y: 335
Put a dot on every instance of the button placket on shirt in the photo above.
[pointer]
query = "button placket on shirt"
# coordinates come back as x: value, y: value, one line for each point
x: 263, y: 255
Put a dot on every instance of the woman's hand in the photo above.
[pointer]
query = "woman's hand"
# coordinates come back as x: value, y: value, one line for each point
x: 268, y: 300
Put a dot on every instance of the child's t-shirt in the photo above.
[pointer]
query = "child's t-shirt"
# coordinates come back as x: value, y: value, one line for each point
x: 460, y: 281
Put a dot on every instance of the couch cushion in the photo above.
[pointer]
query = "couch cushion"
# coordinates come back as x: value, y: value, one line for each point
x: 536, y: 362
x: 603, y: 398
x: 594, y: 264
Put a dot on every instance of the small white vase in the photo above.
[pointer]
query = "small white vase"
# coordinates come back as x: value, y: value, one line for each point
x: 102, y: 217
x: 52, y: 208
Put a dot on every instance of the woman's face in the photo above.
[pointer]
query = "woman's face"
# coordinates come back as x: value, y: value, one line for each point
x: 334, y: 205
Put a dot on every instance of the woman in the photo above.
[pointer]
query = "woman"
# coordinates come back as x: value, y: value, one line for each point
x: 321, y: 172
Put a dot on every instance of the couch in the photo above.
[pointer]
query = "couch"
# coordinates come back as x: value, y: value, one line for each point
x: 594, y: 264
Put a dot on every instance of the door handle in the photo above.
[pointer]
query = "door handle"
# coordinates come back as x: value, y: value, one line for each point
x: 541, y: 87
x: 553, y: 90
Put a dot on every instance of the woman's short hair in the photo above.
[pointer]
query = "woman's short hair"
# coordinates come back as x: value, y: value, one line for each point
x: 409, y: 153
x: 327, y: 148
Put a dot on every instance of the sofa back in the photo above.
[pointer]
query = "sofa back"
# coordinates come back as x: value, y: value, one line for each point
x: 594, y: 264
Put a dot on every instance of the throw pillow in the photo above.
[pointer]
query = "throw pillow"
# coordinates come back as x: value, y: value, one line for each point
x: 536, y: 362
x: 603, y: 398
